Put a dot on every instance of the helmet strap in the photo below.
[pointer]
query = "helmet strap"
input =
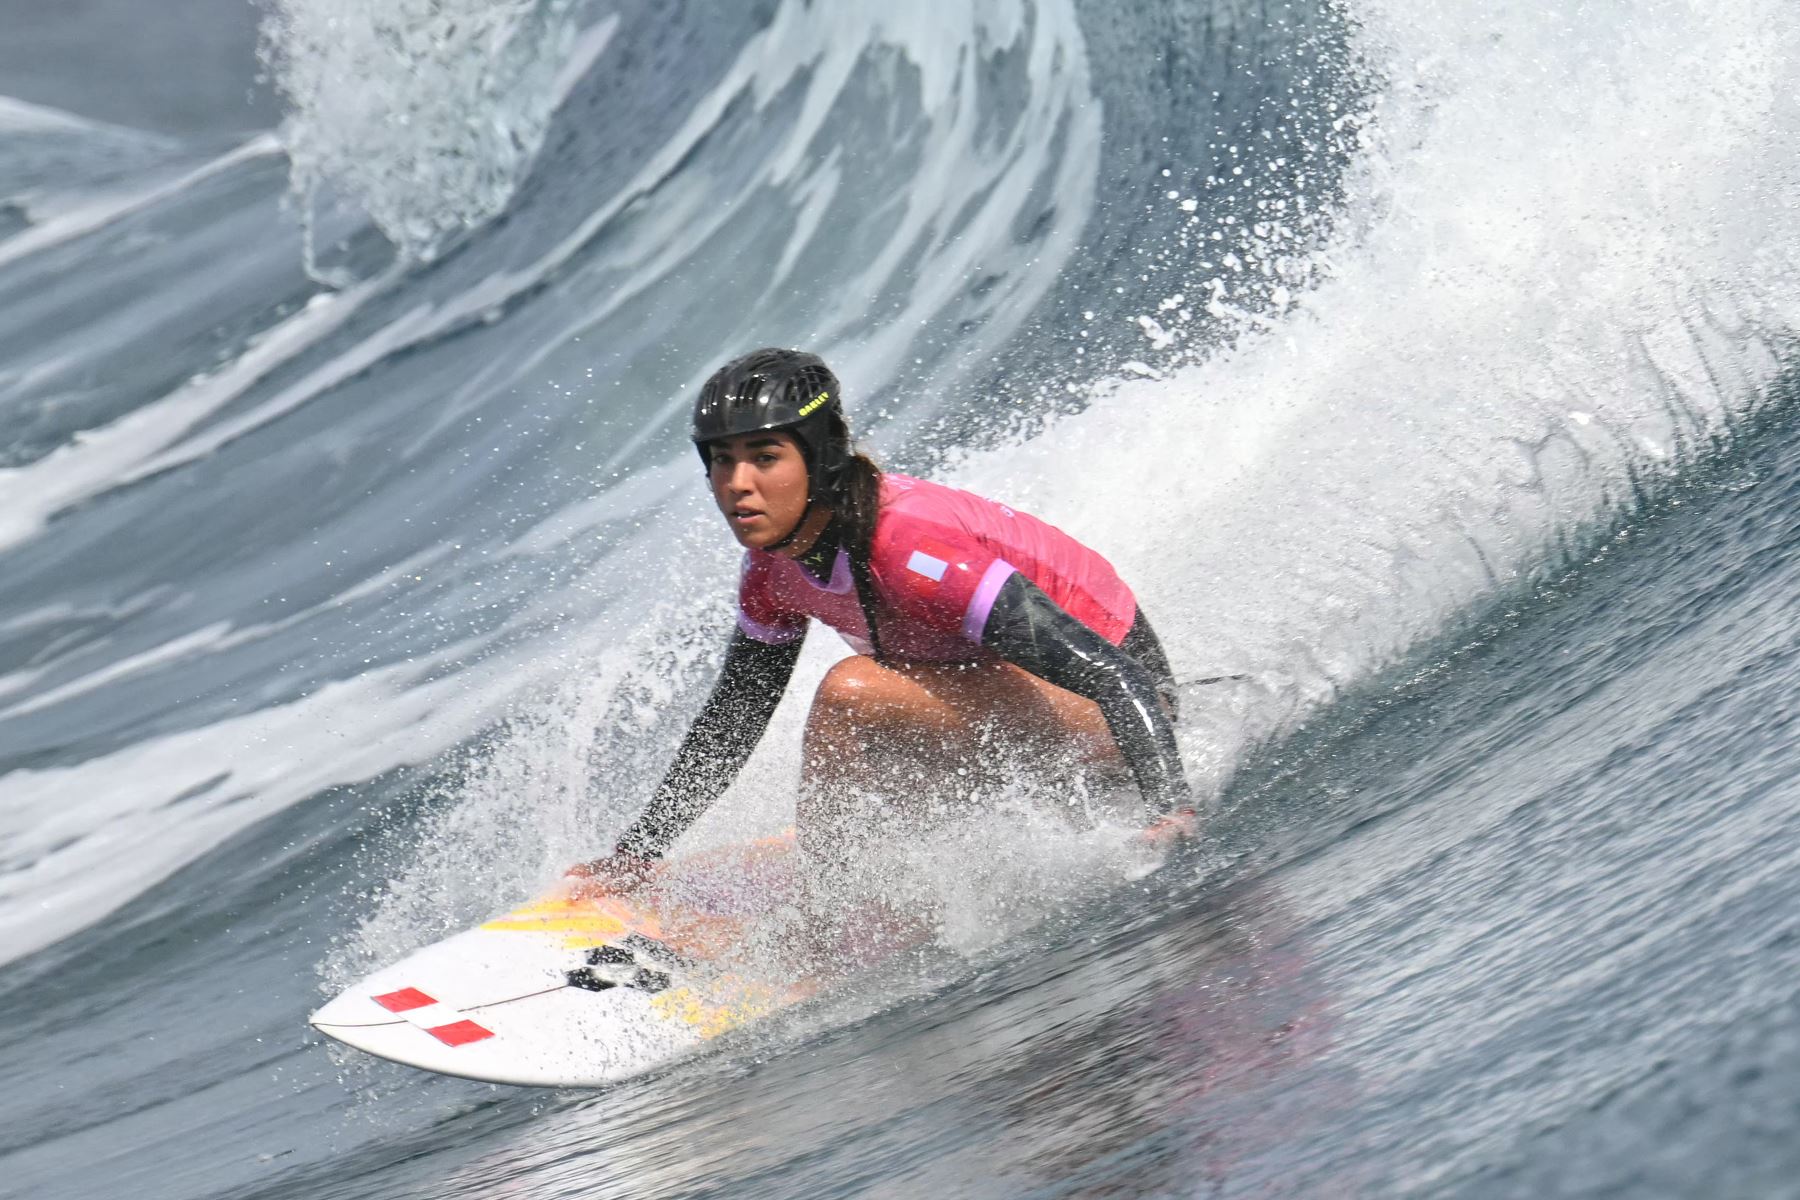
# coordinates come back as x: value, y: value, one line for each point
x: 800, y: 528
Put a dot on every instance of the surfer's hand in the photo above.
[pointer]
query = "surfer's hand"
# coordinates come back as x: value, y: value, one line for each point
x: 617, y: 872
x: 1178, y: 826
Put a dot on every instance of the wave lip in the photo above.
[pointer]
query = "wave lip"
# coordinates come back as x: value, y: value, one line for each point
x: 382, y: 103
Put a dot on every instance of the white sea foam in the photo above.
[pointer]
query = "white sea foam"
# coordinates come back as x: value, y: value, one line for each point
x: 1554, y: 269
x: 23, y: 117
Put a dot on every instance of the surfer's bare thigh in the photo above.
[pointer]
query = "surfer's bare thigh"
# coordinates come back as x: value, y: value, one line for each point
x: 965, y: 718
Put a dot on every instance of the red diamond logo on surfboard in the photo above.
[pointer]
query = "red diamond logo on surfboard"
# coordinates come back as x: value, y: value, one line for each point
x: 459, y: 1033
x: 404, y: 1000
x: 441, y: 1021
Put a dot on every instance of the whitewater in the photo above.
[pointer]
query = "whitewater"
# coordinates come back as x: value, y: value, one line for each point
x: 1427, y: 364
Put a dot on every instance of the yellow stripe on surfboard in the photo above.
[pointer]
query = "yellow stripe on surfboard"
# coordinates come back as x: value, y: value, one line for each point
x: 711, y: 1019
x: 579, y: 919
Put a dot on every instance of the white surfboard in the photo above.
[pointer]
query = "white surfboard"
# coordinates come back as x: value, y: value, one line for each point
x: 580, y: 987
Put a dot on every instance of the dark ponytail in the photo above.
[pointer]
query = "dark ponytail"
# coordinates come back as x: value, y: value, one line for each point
x: 859, y: 502
x: 856, y: 504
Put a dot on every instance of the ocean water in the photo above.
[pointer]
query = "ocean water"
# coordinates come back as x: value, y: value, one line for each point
x: 1430, y: 363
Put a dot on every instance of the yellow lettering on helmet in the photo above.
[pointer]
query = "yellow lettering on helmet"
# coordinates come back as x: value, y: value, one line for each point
x: 807, y: 409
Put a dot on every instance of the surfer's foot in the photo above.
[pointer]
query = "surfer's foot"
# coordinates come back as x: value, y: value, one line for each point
x: 1180, y: 825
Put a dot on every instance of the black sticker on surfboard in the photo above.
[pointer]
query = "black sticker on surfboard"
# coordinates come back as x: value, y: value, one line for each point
x: 656, y: 952
x: 614, y: 966
x: 650, y: 981
x: 585, y: 979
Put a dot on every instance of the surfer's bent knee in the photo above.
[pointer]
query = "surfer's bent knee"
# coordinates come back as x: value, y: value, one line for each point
x: 847, y: 683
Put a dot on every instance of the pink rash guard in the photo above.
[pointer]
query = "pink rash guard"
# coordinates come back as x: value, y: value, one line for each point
x: 939, y: 558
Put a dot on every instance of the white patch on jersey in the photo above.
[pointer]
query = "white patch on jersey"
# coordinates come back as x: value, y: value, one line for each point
x: 931, y: 568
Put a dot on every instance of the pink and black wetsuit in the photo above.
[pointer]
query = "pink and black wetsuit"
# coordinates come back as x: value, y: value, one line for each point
x: 939, y: 560
x: 951, y: 577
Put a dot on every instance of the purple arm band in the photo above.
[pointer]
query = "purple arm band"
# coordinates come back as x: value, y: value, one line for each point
x: 774, y: 635
x: 986, y: 592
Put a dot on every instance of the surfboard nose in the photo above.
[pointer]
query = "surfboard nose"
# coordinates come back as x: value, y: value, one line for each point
x: 355, y: 1007
x: 569, y: 989
x: 564, y: 1037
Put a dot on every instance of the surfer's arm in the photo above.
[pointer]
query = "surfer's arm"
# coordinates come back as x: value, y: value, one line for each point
x: 756, y: 674
x: 1030, y: 630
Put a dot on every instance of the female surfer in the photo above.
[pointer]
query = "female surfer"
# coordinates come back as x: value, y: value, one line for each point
x: 971, y: 620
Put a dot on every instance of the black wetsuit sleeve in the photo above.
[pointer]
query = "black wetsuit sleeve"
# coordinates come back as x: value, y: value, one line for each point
x: 716, y: 748
x: 1032, y: 631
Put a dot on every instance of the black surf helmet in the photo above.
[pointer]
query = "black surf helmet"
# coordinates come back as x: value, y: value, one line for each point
x: 786, y: 390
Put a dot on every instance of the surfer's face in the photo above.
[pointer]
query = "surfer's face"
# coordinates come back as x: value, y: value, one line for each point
x: 759, y: 483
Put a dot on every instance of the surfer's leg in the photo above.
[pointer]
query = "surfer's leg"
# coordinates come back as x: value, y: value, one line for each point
x: 893, y: 748
x: 1142, y: 644
x: 919, y: 731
